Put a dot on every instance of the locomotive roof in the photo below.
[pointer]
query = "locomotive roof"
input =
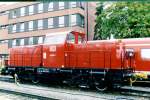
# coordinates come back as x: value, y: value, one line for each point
x: 129, y: 40
x: 57, y: 33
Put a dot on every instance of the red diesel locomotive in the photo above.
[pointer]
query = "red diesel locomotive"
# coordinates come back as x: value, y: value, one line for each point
x: 66, y: 57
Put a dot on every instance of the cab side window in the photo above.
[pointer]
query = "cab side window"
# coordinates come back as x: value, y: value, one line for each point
x: 80, y: 39
x: 145, y: 53
x: 130, y: 53
x: 71, y: 38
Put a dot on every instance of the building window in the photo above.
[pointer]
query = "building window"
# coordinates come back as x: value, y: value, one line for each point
x: 13, y: 42
x: 40, y: 7
x: 61, y: 5
x: 3, y: 27
x: 40, y: 24
x: 50, y: 23
x: 31, y: 10
x: 73, y: 20
x: 50, y: 6
x: 73, y: 4
x: 21, y: 42
x: 30, y: 40
x: 6, y: 26
x: 3, y: 41
x: 22, y: 27
x: 82, y: 5
x: 22, y: 11
x: 4, y: 12
x: 14, y: 28
x: 14, y: 13
x: 40, y: 40
x: 82, y: 21
x: 30, y: 25
x: 61, y: 21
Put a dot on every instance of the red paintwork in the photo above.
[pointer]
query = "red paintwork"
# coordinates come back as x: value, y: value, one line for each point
x: 94, y: 55
x: 53, y: 59
x: 26, y: 56
x: 102, y: 54
x: 138, y: 62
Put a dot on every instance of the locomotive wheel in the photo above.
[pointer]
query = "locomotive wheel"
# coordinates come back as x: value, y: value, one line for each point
x: 35, y: 80
x: 101, y: 86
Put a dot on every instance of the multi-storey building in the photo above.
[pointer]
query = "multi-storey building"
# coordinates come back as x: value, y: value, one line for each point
x: 27, y: 23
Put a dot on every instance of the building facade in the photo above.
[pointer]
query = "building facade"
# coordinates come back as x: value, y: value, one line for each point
x: 27, y: 23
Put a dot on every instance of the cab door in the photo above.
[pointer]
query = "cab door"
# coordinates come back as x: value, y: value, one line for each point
x: 129, y: 58
x: 53, y: 50
x: 69, y: 53
x: 73, y: 39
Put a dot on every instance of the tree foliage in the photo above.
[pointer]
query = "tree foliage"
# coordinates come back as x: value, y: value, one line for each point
x: 123, y: 20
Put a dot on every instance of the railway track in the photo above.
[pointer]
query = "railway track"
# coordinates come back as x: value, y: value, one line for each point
x: 27, y: 96
x: 49, y: 93
x: 136, y: 91
x: 43, y: 92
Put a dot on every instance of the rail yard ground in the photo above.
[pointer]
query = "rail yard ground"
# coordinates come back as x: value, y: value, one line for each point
x: 5, y: 95
x: 28, y: 91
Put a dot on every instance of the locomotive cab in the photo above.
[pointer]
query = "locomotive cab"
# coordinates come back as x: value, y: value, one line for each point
x: 55, y: 46
x: 75, y: 37
x: 65, y: 37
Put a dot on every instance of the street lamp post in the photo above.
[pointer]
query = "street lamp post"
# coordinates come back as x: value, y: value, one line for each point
x: 87, y: 21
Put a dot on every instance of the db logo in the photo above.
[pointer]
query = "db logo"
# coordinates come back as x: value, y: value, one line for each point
x: 52, y: 49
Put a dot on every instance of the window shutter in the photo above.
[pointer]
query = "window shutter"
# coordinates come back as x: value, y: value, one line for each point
x: 18, y: 12
x: 10, y: 29
x: 56, y: 22
x: 35, y: 40
x: 35, y: 25
x: 26, y: 28
x: 45, y: 23
x: 18, y: 27
x: 78, y: 4
x: 45, y: 6
x: 66, y: 5
x: 56, y: 6
x: 66, y: 21
x: 35, y: 7
x: 26, y: 41
x: 10, y: 14
x: 17, y: 42
x: 79, y: 20
x: 27, y: 11
x: 9, y: 43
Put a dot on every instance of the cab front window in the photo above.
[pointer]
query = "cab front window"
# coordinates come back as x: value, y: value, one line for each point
x: 75, y: 38
x: 71, y: 38
x: 55, y: 39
